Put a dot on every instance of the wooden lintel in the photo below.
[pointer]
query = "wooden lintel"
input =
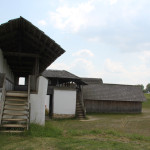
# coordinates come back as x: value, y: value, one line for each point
x: 22, y: 62
x: 21, y: 71
x: 20, y: 54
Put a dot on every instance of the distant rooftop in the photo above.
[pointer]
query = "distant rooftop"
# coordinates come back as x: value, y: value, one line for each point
x: 113, y: 92
x: 62, y: 74
x: 92, y: 80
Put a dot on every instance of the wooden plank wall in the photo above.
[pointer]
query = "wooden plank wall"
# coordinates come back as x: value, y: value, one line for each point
x: 99, y: 106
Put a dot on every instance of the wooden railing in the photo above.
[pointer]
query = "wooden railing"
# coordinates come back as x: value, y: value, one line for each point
x: 82, y: 103
x: 2, y: 102
x: 29, y: 106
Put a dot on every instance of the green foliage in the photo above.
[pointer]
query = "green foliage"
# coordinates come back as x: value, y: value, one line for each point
x: 142, y: 86
x: 148, y: 87
x: 46, y: 112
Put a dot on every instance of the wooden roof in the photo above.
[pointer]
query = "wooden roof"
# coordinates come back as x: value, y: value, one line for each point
x: 92, y: 80
x: 113, y: 92
x: 62, y: 74
x: 22, y: 42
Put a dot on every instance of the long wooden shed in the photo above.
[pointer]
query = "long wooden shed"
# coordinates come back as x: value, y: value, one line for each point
x: 113, y: 98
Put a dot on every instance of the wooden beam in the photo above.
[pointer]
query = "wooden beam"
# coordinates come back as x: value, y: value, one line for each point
x: 36, y: 66
x: 22, y: 62
x: 21, y: 67
x: 21, y: 71
x: 20, y: 54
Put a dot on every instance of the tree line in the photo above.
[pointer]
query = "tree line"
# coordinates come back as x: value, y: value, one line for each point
x: 146, y: 89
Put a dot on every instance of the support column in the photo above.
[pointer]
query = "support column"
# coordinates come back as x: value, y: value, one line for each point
x: 36, y: 66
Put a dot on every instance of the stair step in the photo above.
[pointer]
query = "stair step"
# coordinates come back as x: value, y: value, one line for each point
x: 78, y: 104
x: 11, y: 114
x: 15, y: 94
x: 14, y: 125
x: 78, y: 107
x: 15, y: 109
x: 17, y: 119
x: 79, y: 110
x: 16, y: 99
x: 13, y: 104
x: 11, y: 131
x: 80, y: 115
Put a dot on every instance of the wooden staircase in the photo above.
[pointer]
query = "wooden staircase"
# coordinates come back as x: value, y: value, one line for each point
x: 80, y: 113
x: 15, y: 114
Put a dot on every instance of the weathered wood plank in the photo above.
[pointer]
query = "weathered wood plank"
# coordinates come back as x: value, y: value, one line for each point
x: 96, y: 106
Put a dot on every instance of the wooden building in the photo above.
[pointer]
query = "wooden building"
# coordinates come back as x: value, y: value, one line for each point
x: 113, y: 98
x: 65, y: 90
x: 25, y: 51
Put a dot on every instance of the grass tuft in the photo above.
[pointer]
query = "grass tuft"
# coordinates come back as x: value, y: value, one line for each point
x: 43, y: 131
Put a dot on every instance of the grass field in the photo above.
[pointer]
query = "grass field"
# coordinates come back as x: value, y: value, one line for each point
x: 98, y: 132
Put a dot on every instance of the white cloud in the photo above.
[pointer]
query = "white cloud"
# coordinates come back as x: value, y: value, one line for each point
x: 113, y: 71
x: 145, y: 56
x: 84, y: 66
x: 73, y: 18
x: 83, y: 53
x: 42, y: 22
x: 116, y: 72
x: 113, y: 2
x: 94, y: 39
x: 59, y: 66
x: 114, y: 67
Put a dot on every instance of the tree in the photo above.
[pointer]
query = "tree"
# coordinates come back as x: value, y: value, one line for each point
x: 148, y: 87
x: 142, y: 87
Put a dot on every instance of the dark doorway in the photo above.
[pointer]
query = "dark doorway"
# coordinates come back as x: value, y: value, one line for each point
x: 51, y: 106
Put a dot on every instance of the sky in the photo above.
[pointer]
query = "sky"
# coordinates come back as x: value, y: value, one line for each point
x: 108, y: 39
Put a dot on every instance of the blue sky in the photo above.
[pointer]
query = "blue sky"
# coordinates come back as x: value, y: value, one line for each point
x: 109, y: 39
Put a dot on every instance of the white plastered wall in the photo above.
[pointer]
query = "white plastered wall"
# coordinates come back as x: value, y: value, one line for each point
x: 64, y: 101
x: 37, y: 114
x: 4, y: 68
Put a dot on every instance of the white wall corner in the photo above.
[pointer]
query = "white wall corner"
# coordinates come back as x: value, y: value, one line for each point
x: 37, y: 114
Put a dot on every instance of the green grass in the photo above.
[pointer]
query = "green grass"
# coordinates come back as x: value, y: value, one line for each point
x: 73, y: 139
x: 98, y: 132
x: 147, y: 103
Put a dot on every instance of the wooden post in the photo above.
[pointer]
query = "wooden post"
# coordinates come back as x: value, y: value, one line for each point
x: 16, y: 80
x: 29, y: 109
x: 3, y: 98
x: 37, y: 66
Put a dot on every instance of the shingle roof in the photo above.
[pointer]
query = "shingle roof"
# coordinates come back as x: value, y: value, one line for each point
x: 61, y: 74
x: 92, y: 80
x: 22, y: 42
x: 113, y: 92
